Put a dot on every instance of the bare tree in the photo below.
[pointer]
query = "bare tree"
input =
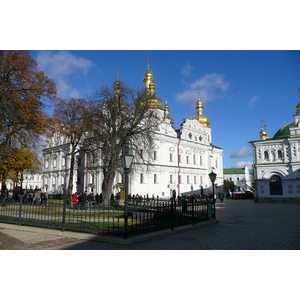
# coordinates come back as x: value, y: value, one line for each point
x: 121, y: 118
x: 70, y: 121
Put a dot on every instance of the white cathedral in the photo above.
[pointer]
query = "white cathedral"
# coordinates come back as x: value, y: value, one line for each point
x: 182, y: 160
x: 277, y: 163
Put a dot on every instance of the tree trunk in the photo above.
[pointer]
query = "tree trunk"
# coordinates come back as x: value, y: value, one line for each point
x: 107, y: 186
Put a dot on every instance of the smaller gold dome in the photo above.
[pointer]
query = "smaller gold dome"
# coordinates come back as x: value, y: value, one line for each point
x: 117, y: 86
x: 199, y: 104
x: 152, y: 100
x: 148, y: 78
x: 263, y: 135
x: 167, y: 109
x: 152, y: 88
x: 298, y: 109
x: 200, y: 117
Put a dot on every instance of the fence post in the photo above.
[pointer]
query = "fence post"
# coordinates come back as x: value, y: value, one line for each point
x: 172, y: 214
x: 64, y: 213
x: 20, y: 210
x: 193, y: 212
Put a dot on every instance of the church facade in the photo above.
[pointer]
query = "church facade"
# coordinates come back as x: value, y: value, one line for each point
x: 182, y: 160
x: 277, y: 163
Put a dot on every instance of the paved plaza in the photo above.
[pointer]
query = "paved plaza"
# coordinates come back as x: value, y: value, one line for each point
x: 243, y: 225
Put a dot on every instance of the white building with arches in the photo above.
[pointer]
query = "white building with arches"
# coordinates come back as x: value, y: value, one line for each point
x: 182, y: 159
x: 277, y: 163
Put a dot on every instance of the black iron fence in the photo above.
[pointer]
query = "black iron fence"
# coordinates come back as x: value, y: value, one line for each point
x: 134, y: 218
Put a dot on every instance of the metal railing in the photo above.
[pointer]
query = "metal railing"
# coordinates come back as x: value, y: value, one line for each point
x: 142, y: 216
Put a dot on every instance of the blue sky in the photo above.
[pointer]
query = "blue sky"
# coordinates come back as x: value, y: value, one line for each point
x: 238, y: 88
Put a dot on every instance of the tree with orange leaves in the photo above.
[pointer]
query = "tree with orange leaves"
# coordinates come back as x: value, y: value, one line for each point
x: 23, y: 92
x: 20, y: 160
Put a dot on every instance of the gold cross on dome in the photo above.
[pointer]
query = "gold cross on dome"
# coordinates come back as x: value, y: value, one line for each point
x: 198, y: 94
x: 148, y: 63
x: 166, y: 98
x: 263, y: 125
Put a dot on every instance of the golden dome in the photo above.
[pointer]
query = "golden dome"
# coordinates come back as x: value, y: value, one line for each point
x: 155, y: 102
x: 150, y: 87
x: 167, y: 109
x: 148, y: 78
x: 200, y: 117
x: 298, y: 109
x: 117, y: 86
x: 263, y: 135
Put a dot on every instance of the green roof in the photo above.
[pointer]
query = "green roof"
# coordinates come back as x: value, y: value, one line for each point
x: 233, y: 171
x: 284, y: 132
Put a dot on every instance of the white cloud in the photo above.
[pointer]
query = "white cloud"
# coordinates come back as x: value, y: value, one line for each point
x: 209, y: 85
x: 211, y: 82
x: 60, y: 66
x: 243, y: 152
x: 186, y: 70
x: 253, y: 100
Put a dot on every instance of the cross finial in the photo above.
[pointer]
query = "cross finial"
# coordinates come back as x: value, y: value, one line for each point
x: 118, y: 74
x: 166, y: 98
x: 263, y: 125
x: 148, y: 63
x: 199, y: 94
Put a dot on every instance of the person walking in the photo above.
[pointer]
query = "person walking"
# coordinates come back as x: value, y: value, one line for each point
x: 90, y: 199
x: 83, y: 200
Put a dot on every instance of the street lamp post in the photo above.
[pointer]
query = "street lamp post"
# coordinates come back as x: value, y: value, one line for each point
x: 126, y: 160
x: 212, y: 177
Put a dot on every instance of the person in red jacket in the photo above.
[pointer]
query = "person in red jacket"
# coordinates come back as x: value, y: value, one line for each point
x: 75, y: 199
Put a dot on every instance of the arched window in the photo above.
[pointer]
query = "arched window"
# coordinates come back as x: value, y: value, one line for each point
x: 266, y: 155
x: 275, y: 185
x: 279, y: 154
x: 55, y: 162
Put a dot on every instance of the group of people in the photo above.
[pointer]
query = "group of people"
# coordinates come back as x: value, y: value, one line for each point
x: 35, y: 197
x: 204, y: 198
x: 85, y: 200
x: 28, y: 196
